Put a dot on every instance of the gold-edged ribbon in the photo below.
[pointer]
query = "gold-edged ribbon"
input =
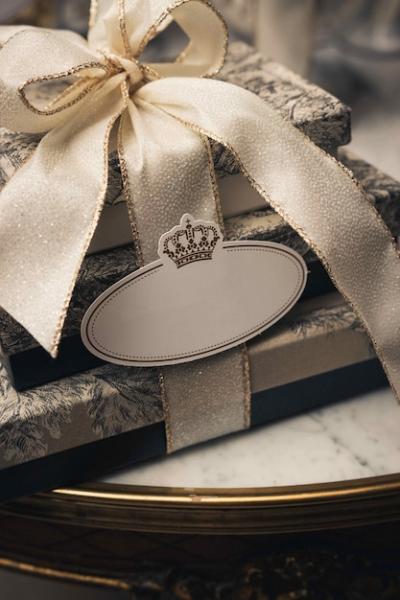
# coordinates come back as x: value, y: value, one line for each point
x: 165, y: 112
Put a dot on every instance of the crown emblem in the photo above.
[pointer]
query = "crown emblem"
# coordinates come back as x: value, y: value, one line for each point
x: 190, y: 242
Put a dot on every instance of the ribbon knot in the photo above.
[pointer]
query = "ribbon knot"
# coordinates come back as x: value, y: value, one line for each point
x: 50, y: 208
x: 135, y: 72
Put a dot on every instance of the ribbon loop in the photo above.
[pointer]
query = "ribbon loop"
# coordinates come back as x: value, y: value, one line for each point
x: 126, y: 27
x: 32, y: 56
x: 208, y: 34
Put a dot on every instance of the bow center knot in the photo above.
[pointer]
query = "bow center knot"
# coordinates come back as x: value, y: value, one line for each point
x: 120, y: 64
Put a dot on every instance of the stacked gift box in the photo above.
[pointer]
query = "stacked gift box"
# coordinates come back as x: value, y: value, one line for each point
x: 320, y: 116
x: 57, y: 412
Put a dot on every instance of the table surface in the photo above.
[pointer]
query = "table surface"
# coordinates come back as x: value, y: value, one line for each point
x: 345, y: 441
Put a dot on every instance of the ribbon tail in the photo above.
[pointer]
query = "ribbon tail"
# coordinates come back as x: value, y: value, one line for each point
x: 165, y: 167
x: 314, y: 193
x: 49, y: 212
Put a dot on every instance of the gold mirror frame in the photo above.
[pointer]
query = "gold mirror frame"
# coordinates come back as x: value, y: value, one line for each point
x: 219, y: 511
x: 247, y: 511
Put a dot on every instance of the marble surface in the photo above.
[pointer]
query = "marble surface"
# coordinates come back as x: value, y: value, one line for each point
x: 358, y: 438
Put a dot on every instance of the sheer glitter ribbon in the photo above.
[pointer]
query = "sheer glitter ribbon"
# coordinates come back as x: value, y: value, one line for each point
x: 51, y: 206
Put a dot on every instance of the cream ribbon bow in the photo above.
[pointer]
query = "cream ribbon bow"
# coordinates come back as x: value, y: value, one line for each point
x: 164, y: 112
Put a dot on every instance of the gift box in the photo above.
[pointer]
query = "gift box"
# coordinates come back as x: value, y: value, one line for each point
x: 315, y: 112
x: 29, y: 365
x: 202, y: 337
x: 112, y: 416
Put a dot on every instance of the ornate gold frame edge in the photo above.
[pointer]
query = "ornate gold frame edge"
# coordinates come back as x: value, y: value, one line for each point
x: 219, y: 511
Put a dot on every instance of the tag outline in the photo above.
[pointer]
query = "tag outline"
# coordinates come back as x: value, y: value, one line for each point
x: 149, y: 362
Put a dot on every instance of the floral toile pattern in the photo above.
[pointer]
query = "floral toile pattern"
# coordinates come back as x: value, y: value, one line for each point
x: 321, y: 116
x: 83, y: 408
x: 124, y: 396
x: 325, y: 318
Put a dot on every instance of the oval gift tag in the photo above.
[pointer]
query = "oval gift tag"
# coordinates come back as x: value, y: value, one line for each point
x: 202, y: 297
